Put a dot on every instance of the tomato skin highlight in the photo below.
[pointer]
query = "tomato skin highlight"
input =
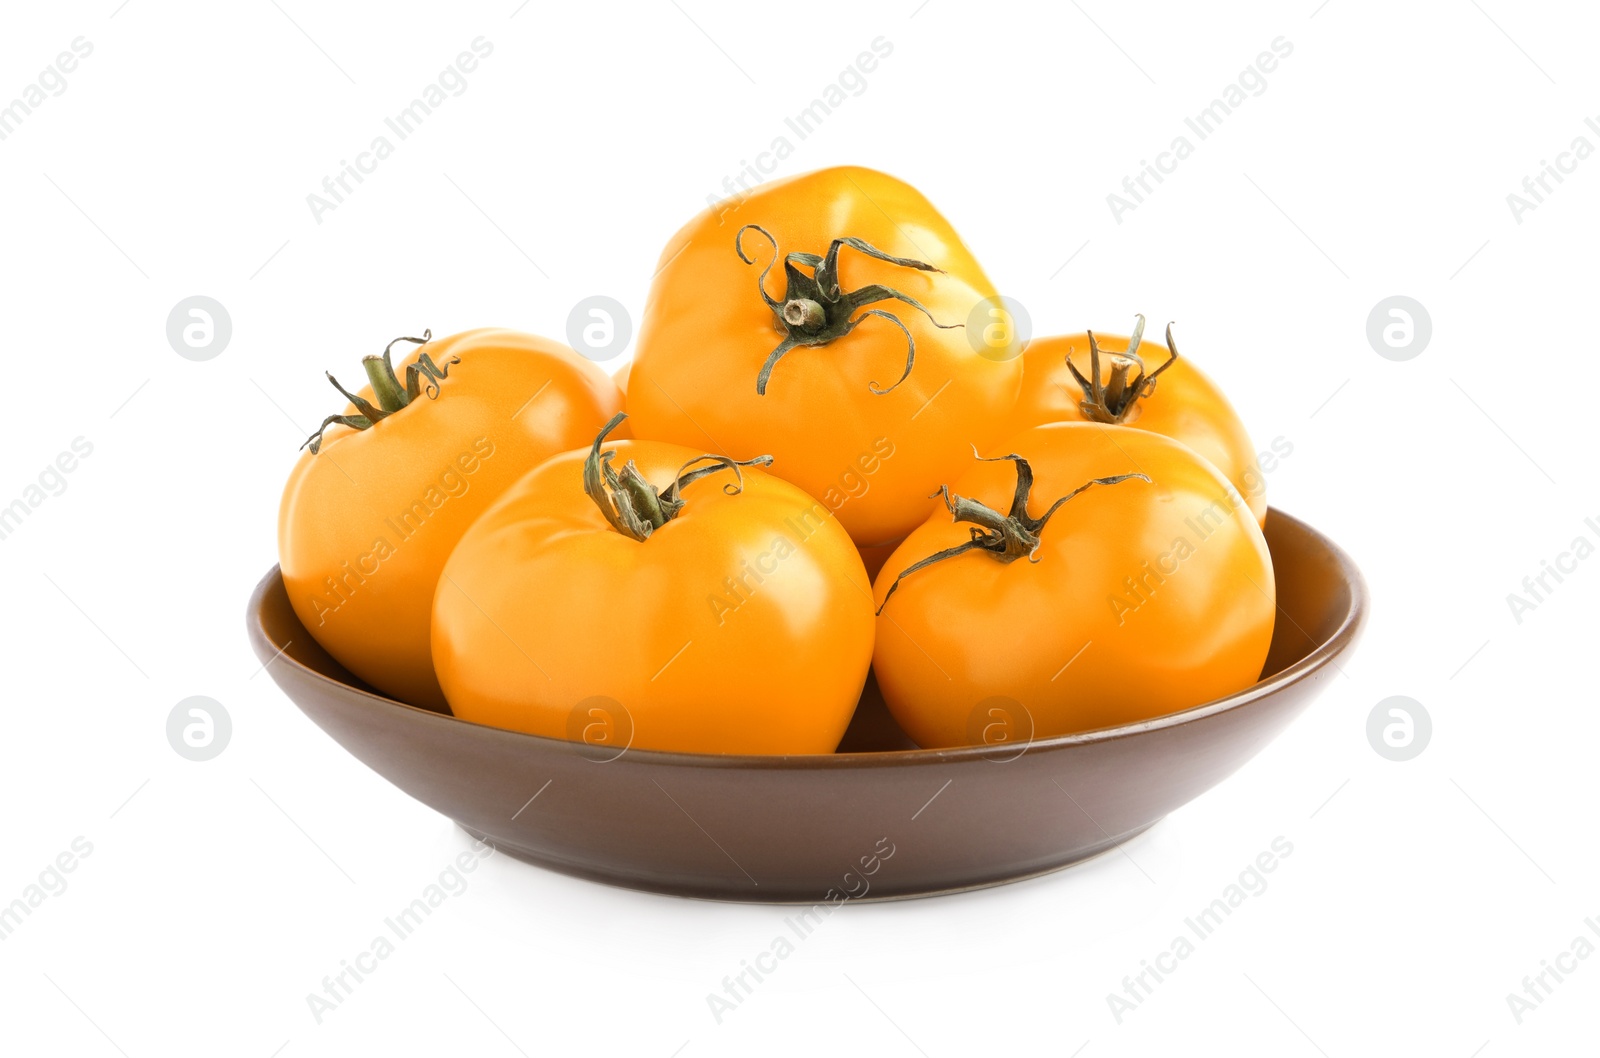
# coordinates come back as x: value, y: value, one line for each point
x: 1186, y: 406
x: 743, y: 625
x: 366, y: 524
x: 871, y: 458
x: 1146, y: 597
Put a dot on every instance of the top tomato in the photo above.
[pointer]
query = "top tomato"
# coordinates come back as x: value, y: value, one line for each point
x: 1142, y: 385
x: 822, y: 319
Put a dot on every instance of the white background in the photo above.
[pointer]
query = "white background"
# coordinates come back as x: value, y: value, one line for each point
x: 1377, y: 161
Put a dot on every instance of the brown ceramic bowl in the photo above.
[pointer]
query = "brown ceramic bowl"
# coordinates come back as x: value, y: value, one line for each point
x: 807, y: 829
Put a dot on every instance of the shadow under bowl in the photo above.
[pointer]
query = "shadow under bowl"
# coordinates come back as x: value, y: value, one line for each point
x: 809, y: 829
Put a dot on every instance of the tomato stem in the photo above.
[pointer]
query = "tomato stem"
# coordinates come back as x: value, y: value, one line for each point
x: 385, y: 386
x: 422, y: 377
x: 1003, y: 537
x: 645, y: 500
x: 815, y: 310
x: 632, y: 505
x: 1112, y: 401
x: 804, y: 314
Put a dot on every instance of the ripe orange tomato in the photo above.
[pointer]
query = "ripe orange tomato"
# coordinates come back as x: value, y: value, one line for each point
x: 373, y: 508
x: 659, y: 610
x: 1144, y: 587
x: 810, y: 357
x: 1170, y: 397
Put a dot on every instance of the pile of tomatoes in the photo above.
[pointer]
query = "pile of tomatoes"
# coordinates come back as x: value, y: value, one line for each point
x: 813, y: 471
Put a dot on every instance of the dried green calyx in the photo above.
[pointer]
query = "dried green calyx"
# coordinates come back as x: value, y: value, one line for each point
x: 422, y: 377
x: 1111, y: 401
x: 632, y: 505
x: 1003, y: 537
x: 815, y: 310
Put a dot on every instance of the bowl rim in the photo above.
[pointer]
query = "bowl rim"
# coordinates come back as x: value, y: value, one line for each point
x: 1321, y: 655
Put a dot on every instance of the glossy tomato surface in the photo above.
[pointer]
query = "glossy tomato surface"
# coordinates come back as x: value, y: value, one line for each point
x: 1143, y: 598
x: 1185, y: 405
x: 743, y: 625
x: 871, y: 457
x: 367, y: 522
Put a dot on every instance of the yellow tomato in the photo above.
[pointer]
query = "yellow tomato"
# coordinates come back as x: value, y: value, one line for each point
x: 1152, y: 390
x: 785, y: 323
x: 370, y: 516
x: 1149, y: 590
x: 736, y: 619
